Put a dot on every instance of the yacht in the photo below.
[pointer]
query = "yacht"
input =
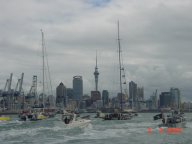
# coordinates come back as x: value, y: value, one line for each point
x: 4, y: 118
x: 174, y: 119
x: 119, y: 114
x: 71, y: 121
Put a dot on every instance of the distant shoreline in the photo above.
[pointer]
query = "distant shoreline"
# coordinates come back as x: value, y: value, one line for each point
x: 17, y: 112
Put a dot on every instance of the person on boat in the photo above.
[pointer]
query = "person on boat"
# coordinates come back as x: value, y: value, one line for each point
x: 163, y: 118
x: 67, y: 120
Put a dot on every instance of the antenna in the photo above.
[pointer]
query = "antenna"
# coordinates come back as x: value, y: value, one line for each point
x: 96, y: 74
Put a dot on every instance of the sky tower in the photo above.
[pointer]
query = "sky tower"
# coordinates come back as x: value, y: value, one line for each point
x: 96, y: 74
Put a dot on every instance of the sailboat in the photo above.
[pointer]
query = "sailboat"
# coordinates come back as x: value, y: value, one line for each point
x: 46, y: 112
x: 119, y: 115
x: 39, y: 113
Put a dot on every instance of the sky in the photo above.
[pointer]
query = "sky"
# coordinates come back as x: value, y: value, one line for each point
x: 156, y: 42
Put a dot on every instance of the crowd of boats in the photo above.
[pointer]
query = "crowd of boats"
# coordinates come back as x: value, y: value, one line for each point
x: 71, y: 119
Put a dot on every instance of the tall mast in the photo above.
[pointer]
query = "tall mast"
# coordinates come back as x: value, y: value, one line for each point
x: 120, y: 65
x: 43, y: 55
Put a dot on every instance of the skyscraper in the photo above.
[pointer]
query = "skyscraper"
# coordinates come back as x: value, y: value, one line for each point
x: 165, y: 99
x: 96, y: 74
x: 105, y: 97
x: 70, y: 93
x: 140, y: 93
x: 132, y: 93
x: 77, y: 87
x: 61, y: 95
x: 175, y: 97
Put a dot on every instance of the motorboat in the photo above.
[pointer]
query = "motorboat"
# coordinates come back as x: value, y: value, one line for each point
x: 41, y: 116
x: 100, y: 114
x: 32, y: 116
x: 131, y: 112
x: 71, y: 121
x: 5, y: 118
x: 117, y: 116
x: 174, y: 119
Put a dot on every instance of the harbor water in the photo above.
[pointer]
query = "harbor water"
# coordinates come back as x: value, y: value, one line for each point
x: 53, y: 131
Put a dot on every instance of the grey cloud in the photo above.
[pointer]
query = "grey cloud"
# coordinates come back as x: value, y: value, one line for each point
x: 155, y: 39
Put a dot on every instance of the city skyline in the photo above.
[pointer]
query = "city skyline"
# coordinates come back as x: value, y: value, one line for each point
x: 155, y: 39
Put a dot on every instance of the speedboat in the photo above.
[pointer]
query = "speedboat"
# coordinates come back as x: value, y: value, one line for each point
x: 99, y: 114
x: 5, y: 118
x: 71, y: 121
x: 175, y: 119
x: 117, y: 116
x: 41, y: 116
x: 132, y: 112
x: 31, y: 116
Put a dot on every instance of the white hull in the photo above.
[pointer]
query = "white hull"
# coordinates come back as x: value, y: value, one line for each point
x: 174, y: 125
x: 79, y: 123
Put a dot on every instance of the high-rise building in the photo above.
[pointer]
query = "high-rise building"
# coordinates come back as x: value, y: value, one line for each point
x: 77, y: 87
x: 105, y: 97
x: 132, y: 93
x: 95, y: 96
x: 165, y: 99
x: 70, y: 93
x: 175, y: 97
x: 61, y: 95
x: 140, y: 93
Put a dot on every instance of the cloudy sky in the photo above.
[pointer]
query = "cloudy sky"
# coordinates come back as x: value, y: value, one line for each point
x: 156, y: 40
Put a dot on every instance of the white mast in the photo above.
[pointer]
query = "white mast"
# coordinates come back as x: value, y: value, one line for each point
x: 43, y: 55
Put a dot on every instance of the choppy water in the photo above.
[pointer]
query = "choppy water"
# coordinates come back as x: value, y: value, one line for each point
x: 53, y: 131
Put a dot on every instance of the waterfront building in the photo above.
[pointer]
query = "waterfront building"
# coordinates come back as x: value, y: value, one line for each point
x: 115, y: 102
x: 140, y: 93
x: 77, y: 87
x: 124, y: 98
x: 87, y: 100
x: 61, y: 95
x: 165, y: 100
x: 86, y: 97
x: 95, y: 95
x: 175, y: 97
x: 72, y: 105
x: 82, y: 104
x: 132, y: 93
x: 152, y: 103
x: 105, y: 98
x: 187, y: 106
x: 70, y: 93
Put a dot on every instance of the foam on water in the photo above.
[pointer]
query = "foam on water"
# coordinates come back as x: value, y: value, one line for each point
x: 53, y: 131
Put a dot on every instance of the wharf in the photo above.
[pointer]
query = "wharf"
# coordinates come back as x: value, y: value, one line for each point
x: 8, y: 112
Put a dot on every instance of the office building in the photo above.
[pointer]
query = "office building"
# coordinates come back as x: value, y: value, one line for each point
x: 105, y: 97
x: 61, y: 96
x: 70, y: 93
x: 132, y: 93
x: 77, y: 87
x: 175, y: 98
x: 95, y: 95
x: 165, y: 100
